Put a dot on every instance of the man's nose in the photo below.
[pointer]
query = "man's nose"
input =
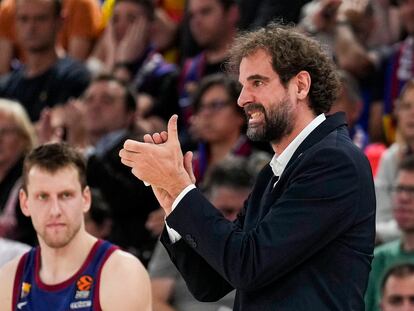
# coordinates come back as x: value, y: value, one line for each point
x: 55, y: 208
x: 245, y: 98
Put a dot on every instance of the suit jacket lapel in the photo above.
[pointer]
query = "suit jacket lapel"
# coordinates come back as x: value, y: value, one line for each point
x: 331, y: 123
x: 265, y: 199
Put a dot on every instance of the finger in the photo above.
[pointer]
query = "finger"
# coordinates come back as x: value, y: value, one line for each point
x: 128, y: 155
x: 148, y: 139
x: 127, y: 162
x: 188, y: 165
x: 136, y: 173
x: 164, y: 136
x: 157, y: 138
x: 172, y: 130
x: 134, y: 146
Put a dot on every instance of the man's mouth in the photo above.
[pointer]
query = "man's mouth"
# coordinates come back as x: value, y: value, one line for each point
x: 255, y: 113
x: 255, y: 117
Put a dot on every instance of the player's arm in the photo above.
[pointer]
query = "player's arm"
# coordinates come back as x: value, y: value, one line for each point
x: 7, y: 274
x: 125, y: 284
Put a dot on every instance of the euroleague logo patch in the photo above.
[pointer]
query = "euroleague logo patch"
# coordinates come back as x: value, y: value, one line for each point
x: 84, y: 283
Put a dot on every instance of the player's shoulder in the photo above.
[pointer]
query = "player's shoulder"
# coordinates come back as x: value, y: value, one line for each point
x: 122, y: 263
x: 8, y: 271
x: 7, y: 277
x: 123, y: 275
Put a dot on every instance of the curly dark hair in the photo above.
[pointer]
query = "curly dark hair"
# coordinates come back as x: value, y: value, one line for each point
x: 291, y: 52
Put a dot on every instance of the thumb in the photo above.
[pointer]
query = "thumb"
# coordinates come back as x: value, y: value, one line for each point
x: 172, y: 130
x: 188, y: 165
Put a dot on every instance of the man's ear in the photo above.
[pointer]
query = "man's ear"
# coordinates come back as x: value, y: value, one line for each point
x: 87, y: 199
x: 23, y: 203
x: 303, y: 83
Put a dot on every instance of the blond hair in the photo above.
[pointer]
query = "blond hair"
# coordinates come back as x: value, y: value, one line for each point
x: 16, y: 112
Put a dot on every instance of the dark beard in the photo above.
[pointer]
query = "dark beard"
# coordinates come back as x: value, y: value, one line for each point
x: 278, y: 123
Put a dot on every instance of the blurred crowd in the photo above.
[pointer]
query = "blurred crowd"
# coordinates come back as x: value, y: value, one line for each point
x: 96, y: 72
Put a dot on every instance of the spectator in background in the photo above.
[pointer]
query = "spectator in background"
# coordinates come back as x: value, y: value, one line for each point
x: 99, y: 124
x: 213, y: 24
x: 331, y: 22
x: 46, y: 79
x: 345, y: 29
x: 402, y: 249
x: 397, y: 288
x: 387, y: 228
x: 396, y: 71
x: 350, y: 102
x: 17, y: 138
x: 126, y: 50
x: 81, y: 26
x: 168, y: 17
x: 227, y: 187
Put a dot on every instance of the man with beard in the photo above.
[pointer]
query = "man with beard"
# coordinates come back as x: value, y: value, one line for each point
x: 308, y: 226
x: 400, y: 250
x: 70, y: 269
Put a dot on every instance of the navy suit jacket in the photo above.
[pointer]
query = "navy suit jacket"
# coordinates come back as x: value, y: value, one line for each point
x: 307, y: 245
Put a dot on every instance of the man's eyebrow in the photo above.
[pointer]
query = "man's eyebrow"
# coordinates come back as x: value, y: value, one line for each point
x: 257, y: 77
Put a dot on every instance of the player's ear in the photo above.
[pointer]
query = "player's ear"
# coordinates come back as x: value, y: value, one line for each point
x: 87, y: 199
x: 23, y: 203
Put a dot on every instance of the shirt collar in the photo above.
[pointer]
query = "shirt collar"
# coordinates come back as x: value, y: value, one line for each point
x: 279, y: 162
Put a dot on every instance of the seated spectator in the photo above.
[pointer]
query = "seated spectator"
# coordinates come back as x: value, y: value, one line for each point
x: 397, y: 288
x: 213, y: 24
x: 126, y: 50
x: 345, y: 29
x: 402, y: 249
x: 227, y: 186
x: 386, y: 226
x: 100, y: 123
x: 396, y: 70
x: 46, y: 79
x: 218, y: 124
x: 168, y: 17
x: 17, y: 137
x: 10, y: 249
x: 81, y: 26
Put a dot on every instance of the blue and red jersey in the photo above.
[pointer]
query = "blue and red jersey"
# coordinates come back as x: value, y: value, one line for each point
x: 80, y: 292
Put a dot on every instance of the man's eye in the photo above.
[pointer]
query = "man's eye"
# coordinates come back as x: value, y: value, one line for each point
x: 42, y: 196
x: 257, y: 83
x: 66, y: 195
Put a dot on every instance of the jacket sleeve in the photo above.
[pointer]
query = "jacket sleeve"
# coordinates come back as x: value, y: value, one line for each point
x: 205, y: 283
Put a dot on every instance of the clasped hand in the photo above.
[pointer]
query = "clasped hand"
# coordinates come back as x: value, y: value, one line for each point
x: 159, y: 161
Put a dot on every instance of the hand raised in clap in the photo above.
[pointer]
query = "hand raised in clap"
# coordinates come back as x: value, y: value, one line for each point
x: 159, y: 161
